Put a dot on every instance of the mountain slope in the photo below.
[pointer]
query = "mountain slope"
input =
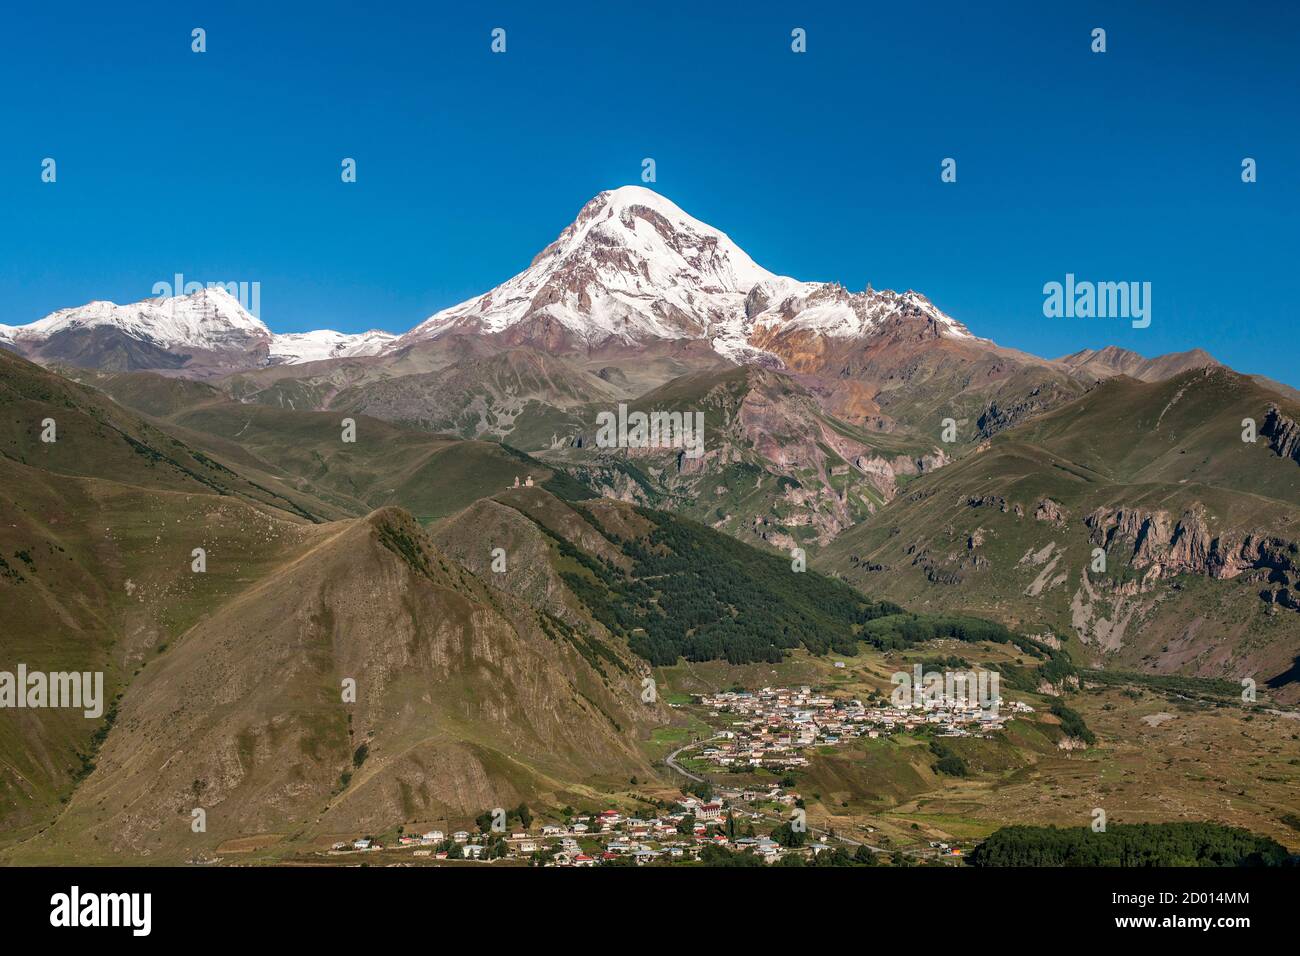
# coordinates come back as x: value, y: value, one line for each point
x: 664, y: 586
x: 1200, y: 531
x: 96, y: 438
x: 465, y: 699
x: 100, y: 528
x: 772, y: 466
x: 384, y: 465
x: 521, y: 395
x: 1112, y: 361
x: 97, y: 549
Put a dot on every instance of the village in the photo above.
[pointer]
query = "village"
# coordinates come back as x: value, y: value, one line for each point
x: 776, y: 723
x: 765, y: 730
x: 609, y: 837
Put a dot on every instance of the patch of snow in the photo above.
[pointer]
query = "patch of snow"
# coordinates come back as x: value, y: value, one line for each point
x: 295, y: 348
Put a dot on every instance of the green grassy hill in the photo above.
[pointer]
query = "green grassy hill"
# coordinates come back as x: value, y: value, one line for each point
x: 429, y: 475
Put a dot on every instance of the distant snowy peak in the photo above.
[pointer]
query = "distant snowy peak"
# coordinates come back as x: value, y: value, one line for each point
x: 298, y: 347
x: 633, y: 266
x: 209, y: 319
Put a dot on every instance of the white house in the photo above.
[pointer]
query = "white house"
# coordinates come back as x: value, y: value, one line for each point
x: 709, y: 811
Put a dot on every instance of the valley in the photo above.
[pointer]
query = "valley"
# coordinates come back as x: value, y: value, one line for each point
x: 360, y: 590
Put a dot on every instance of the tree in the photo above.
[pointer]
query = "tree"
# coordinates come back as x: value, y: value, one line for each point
x: 712, y: 855
x: 789, y: 837
x: 702, y: 789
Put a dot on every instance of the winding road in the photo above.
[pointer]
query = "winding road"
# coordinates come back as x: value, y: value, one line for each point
x: 671, y: 761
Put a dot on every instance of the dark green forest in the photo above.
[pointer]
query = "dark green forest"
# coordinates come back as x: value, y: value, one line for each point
x: 1135, y: 844
x: 694, y: 593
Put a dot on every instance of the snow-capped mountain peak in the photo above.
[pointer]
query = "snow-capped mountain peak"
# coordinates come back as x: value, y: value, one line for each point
x: 633, y: 266
x: 671, y: 242
x: 210, y: 319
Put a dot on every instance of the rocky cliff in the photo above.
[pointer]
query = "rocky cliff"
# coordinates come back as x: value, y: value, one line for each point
x: 1283, y: 433
x: 1163, y: 548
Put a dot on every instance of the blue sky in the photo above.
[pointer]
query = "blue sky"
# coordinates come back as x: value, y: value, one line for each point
x: 225, y: 165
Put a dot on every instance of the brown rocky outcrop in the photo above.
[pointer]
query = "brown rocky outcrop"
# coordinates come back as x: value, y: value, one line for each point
x: 1166, y: 548
x: 1283, y: 433
x: 1049, y: 510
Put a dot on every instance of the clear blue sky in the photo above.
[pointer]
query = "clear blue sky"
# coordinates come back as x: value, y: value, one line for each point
x: 225, y: 165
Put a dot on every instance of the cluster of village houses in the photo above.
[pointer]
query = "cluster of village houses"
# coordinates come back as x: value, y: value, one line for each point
x: 772, y: 726
x: 775, y: 723
x: 611, y: 835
